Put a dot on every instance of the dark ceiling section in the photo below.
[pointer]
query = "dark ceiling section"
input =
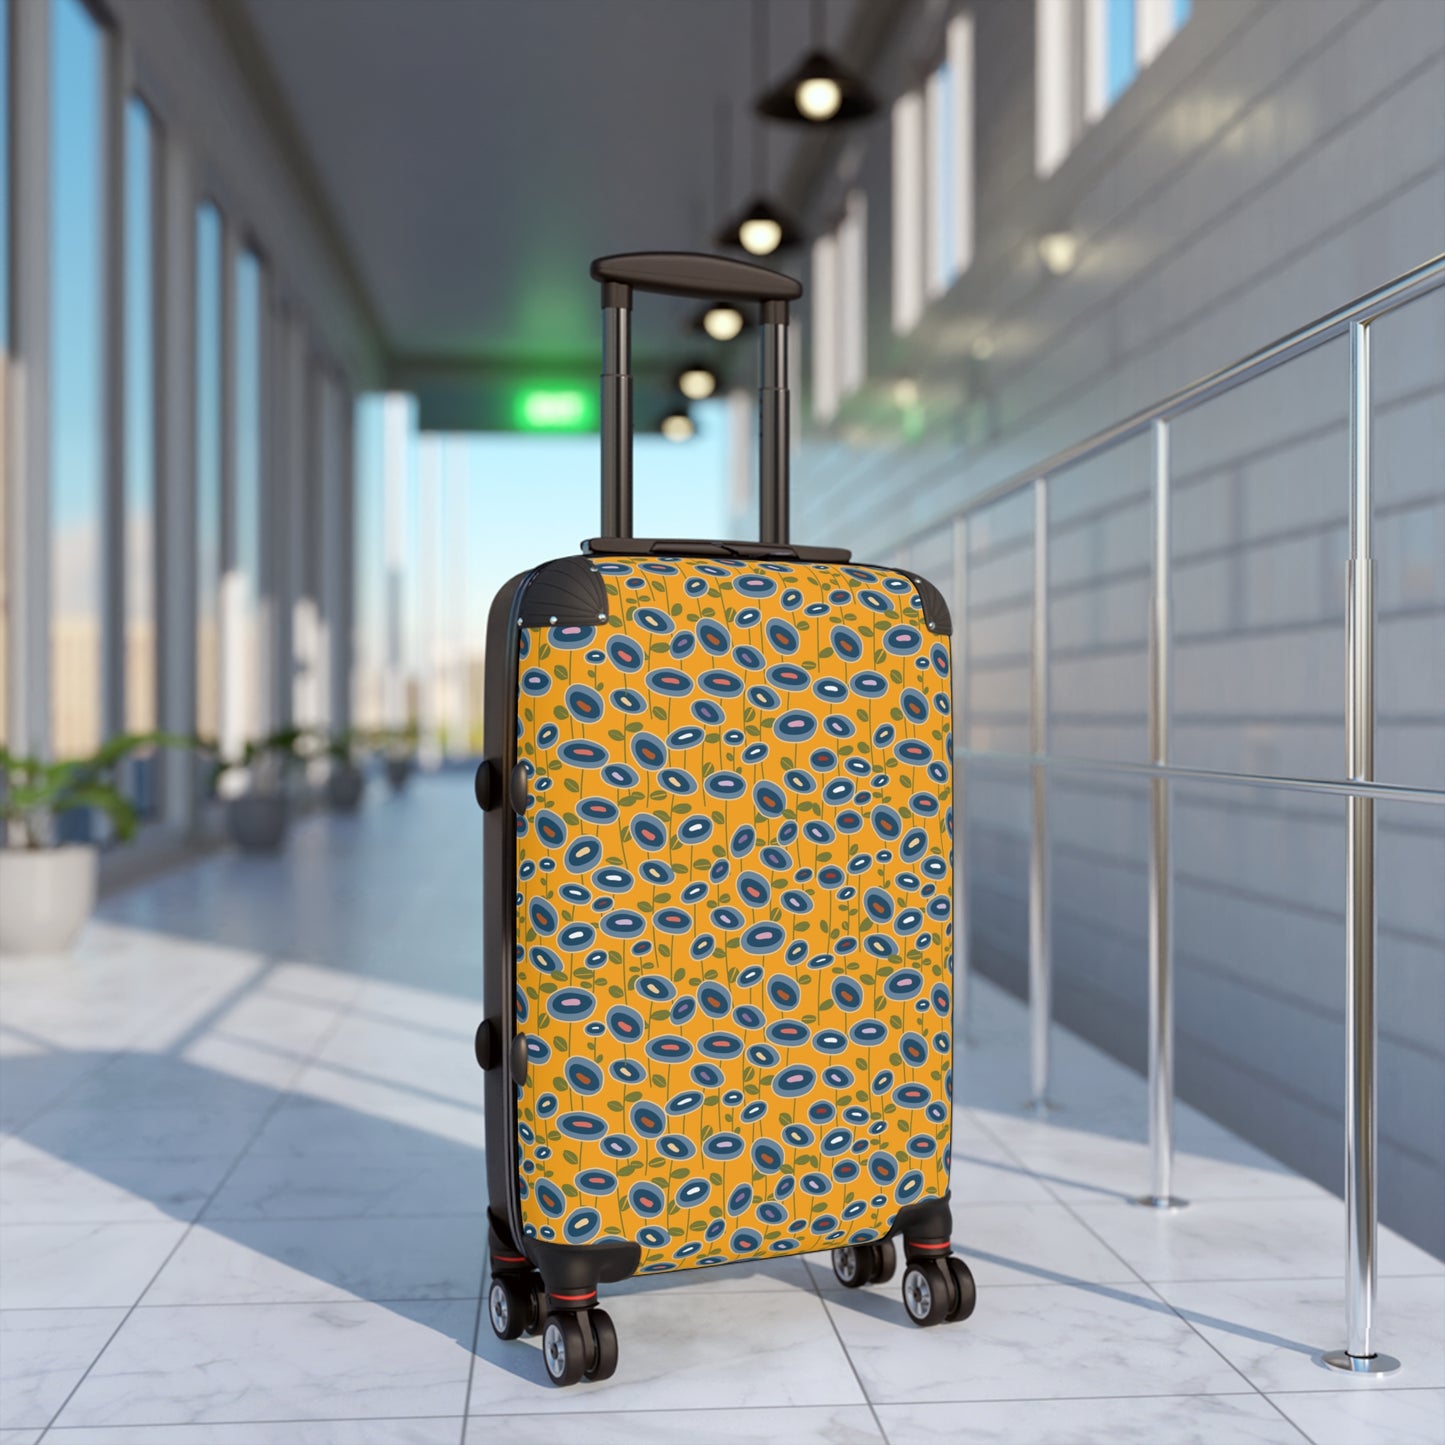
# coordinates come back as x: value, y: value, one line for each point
x: 477, y: 154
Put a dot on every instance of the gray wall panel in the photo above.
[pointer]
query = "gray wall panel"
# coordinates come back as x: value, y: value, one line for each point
x: 1279, y: 158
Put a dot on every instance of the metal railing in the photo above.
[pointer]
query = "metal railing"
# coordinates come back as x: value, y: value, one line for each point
x: 1359, y: 787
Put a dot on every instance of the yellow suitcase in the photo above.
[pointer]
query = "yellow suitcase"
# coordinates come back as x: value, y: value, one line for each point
x: 719, y: 912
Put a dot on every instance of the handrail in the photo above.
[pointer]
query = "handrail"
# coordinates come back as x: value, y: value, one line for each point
x: 1369, y: 307
x: 1359, y: 787
x: 1065, y: 763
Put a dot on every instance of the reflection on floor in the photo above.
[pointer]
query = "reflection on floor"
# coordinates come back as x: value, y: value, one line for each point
x: 241, y: 1198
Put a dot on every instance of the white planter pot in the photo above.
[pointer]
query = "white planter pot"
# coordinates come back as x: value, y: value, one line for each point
x: 46, y: 894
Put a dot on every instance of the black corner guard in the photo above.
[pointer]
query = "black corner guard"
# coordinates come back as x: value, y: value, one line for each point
x: 569, y: 592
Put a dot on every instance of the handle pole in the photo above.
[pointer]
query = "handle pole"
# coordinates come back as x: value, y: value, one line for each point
x: 773, y: 424
x: 616, y: 422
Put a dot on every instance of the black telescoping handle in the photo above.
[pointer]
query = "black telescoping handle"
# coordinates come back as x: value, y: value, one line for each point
x: 687, y: 273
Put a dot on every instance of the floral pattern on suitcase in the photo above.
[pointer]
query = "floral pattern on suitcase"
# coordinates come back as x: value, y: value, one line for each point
x: 734, y: 932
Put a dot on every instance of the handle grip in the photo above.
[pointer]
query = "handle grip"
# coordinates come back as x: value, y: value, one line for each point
x: 690, y: 273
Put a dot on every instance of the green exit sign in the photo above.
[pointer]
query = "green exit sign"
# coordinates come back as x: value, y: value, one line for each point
x: 554, y: 408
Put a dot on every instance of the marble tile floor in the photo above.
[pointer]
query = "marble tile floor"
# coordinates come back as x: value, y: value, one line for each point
x: 241, y: 1203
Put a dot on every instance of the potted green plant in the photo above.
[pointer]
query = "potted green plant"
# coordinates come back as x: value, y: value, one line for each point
x: 256, y: 787
x: 47, y: 887
x: 345, y: 782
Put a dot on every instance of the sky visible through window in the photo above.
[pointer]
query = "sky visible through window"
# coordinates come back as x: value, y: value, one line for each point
x: 542, y: 494
x: 140, y: 495
x: 1121, y: 62
x: 208, y: 464
x: 248, y: 417
x: 4, y: 174
x: 942, y: 146
x: 76, y: 400
x: 519, y: 500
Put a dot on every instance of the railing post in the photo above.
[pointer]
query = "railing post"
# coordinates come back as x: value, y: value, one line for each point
x: 960, y: 804
x: 1359, y: 1355
x: 1161, y: 875
x: 1041, y: 980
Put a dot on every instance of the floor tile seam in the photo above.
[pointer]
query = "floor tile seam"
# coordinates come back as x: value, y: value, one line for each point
x: 821, y: 1288
x: 472, y: 1354
x: 1230, y: 1393
x: 1108, y: 1248
x: 1207, y: 1199
x: 1392, y: 1390
x: 1293, y: 1425
x: 1334, y: 1279
x: 60, y: 1430
x: 281, y: 1094
x: 352, y: 1073
x: 304, y: 1304
x: 852, y: 1367
x: 414, y: 1026
x: 457, y: 1214
x: 1199, y: 1334
x: 1155, y: 1293
x: 479, y: 1213
x: 559, y: 1415
x: 111, y: 1056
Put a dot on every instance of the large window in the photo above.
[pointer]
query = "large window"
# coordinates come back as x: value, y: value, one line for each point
x: 4, y: 361
x: 208, y: 469
x: 140, y: 450
x: 1088, y: 54
x: 77, y: 416
x: 4, y: 199
x: 242, y: 584
x: 933, y: 180
x: 948, y: 103
x: 839, y: 312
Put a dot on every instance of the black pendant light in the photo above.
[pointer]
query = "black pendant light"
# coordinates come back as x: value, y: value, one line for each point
x: 820, y: 90
x: 761, y: 227
x: 721, y: 321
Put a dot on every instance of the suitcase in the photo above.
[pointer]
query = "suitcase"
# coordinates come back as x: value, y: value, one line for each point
x: 717, y: 790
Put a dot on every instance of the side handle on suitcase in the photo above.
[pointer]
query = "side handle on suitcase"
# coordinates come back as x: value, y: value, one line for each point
x: 687, y: 273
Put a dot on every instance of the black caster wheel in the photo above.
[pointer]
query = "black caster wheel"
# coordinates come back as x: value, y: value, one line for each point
x: 509, y: 1306
x: 537, y: 1314
x: 885, y: 1261
x: 927, y: 1292
x: 965, y: 1291
x: 602, y: 1358
x: 853, y: 1265
x: 563, y: 1350
x: 858, y: 1264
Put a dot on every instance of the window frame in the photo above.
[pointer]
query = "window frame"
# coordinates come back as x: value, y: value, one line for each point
x: 1074, y: 53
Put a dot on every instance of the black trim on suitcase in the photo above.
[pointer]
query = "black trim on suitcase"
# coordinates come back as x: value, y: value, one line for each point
x: 498, y: 910
x: 565, y: 593
x: 566, y: 1270
x: 699, y: 547
x: 935, y: 606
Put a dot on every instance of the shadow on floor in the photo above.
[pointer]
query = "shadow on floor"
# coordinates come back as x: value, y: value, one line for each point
x: 307, y: 1174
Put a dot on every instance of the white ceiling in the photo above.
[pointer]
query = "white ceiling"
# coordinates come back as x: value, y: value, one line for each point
x: 477, y: 154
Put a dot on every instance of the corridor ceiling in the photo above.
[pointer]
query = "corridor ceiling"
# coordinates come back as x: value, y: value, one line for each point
x: 475, y: 155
